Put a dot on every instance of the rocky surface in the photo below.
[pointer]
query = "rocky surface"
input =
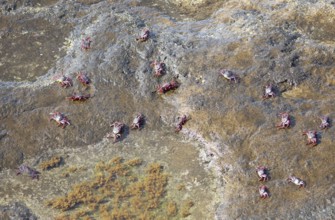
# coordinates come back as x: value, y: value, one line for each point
x: 16, y: 211
x: 289, y: 44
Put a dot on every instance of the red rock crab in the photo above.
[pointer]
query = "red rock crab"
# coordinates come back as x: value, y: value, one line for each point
x: 264, y: 192
x: 285, y: 121
x: 137, y: 122
x: 161, y: 89
x: 263, y: 173
x: 86, y: 43
x: 60, y: 118
x: 83, y: 78
x: 76, y: 97
x: 30, y: 171
x: 296, y: 181
x: 181, y: 121
x: 117, y: 130
x: 64, y: 81
x: 324, y: 122
x: 229, y: 75
x: 144, y: 35
x: 159, y: 68
x: 311, y: 137
x: 268, y: 92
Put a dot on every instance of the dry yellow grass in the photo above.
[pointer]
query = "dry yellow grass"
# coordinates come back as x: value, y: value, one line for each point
x: 52, y: 163
x: 117, y: 190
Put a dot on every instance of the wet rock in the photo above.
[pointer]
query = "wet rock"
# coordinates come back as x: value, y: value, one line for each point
x: 315, y: 19
x: 11, y: 157
x: 34, y: 33
x: 89, y: 2
x: 232, y: 127
x: 16, y: 211
x: 12, y: 5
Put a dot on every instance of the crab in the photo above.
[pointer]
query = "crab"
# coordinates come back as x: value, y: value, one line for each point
x: 311, y: 137
x: 30, y: 171
x: 117, y: 130
x: 60, y: 118
x: 296, y: 181
x: 144, y: 35
x: 86, y: 43
x: 64, y: 81
x: 269, y: 93
x: 181, y: 121
x: 324, y: 122
x: 263, y: 173
x: 161, y: 89
x: 159, y: 68
x: 229, y: 75
x: 138, y: 121
x: 264, y: 192
x: 83, y: 78
x: 285, y: 120
x: 76, y: 97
